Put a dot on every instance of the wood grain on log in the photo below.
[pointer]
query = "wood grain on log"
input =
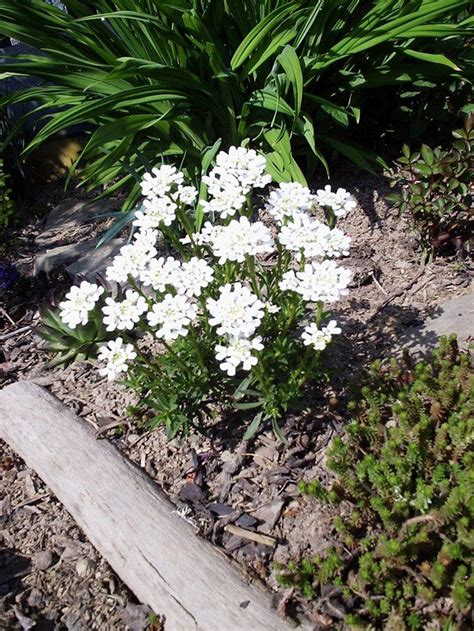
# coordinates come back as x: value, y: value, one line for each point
x: 130, y: 521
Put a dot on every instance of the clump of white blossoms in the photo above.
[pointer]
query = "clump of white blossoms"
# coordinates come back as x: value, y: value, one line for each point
x: 115, y: 355
x: 228, y: 300
x: 172, y: 316
x: 320, y: 338
x: 340, y: 202
x: 79, y: 301
x: 239, y: 239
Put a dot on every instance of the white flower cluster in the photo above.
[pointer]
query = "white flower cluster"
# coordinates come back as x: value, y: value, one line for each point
x: 288, y: 201
x: 74, y: 310
x: 313, y: 238
x: 239, y: 239
x: 236, y: 173
x: 237, y: 313
x: 320, y: 338
x: 133, y: 257
x: 172, y: 316
x: 126, y: 313
x: 318, y: 281
x: 340, y: 201
x: 116, y: 355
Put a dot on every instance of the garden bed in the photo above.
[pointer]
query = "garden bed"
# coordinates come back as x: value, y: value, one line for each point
x: 228, y: 488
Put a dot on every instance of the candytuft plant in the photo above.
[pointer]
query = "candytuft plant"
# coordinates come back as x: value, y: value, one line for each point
x: 235, y: 316
x: 403, y: 555
x: 435, y: 190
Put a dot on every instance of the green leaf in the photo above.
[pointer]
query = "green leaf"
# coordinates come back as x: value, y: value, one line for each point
x: 291, y: 65
x: 253, y: 427
x: 427, y: 155
x: 431, y: 58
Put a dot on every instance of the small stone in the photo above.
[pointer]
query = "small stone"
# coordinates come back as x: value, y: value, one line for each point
x: 43, y: 560
x: 270, y: 514
x: 35, y: 599
x: 84, y: 567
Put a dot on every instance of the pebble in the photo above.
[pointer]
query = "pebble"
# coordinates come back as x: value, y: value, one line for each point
x: 43, y: 560
x: 84, y: 567
x: 35, y: 599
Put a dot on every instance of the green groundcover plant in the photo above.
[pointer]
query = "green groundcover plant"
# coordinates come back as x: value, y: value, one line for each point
x: 173, y: 77
x: 435, y: 190
x: 404, y: 481
x: 237, y: 311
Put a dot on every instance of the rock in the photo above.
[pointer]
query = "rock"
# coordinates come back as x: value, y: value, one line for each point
x: 35, y: 599
x: 43, y: 560
x: 79, y: 258
x: 96, y: 260
x: 135, y: 617
x: 68, y: 216
x: 269, y: 514
x: 84, y: 567
x: 454, y: 316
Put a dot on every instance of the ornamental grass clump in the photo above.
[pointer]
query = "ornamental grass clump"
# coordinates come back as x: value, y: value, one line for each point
x: 404, y: 482
x: 228, y: 309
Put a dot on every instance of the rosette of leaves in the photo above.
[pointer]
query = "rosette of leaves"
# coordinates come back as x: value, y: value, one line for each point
x: 404, y: 480
x: 435, y: 190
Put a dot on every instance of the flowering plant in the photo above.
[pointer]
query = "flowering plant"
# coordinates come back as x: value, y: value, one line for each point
x: 232, y: 312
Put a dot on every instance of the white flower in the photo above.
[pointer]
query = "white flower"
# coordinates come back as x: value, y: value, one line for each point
x: 340, y: 201
x: 126, y: 313
x: 319, y: 338
x: 194, y: 275
x: 186, y: 195
x: 335, y: 243
x: 288, y: 200
x: 226, y: 202
x: 313, y: 238
x: 237, y: 312
x: 240, y: 238
x: 173, y: 315
x: 206, y: 235
x: 160, y: 272
x: 160, y: 181
x: 325, y: 282
x: 133, y: 257
x: 155, y: 211
x: 116, y: 354
x: 270, y: 307
x: 238, y: 352
x: 79, y: 300
x: 289, y: 282
x: 246, y: 165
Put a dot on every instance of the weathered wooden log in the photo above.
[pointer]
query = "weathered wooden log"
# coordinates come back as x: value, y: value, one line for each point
x: 130, y: 521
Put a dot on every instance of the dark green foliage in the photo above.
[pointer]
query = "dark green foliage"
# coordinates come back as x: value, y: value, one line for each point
x: 435, y: 190
x: 171, y: 78
x: 404, y: 482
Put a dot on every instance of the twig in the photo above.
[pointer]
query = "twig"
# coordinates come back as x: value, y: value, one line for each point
x: 105, y: 428
x: 417, y: 520
x: 248, y: 534
x: 378, y: 284
x: 139, y: 439
x: 31, y: 500
x: 8, y: 336
x: 7, y: 316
